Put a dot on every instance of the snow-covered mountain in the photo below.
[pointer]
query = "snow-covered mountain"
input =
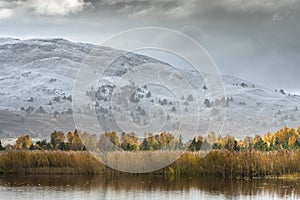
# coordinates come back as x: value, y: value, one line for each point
x: 36, y: 90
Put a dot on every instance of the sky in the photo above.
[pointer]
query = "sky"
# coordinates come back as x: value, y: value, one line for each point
x: 257, y: 40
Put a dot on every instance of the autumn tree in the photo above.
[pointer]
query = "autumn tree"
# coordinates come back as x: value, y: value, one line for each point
x: 195, y: 145
x: 247, y: 143
x: 42, y: 145
x: 129, y: 142
x: 74, y: 141
x: 113, y: 137
x: 230, y: 143
x: 89, y: 140
x: 23, y: 142
x: 165, y: 139
x: 150, y: 142
x: 57, y: 140
x: 259, y: 144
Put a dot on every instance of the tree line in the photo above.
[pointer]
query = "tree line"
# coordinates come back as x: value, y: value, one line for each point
x: 285, y: 138
x: 58, y: 141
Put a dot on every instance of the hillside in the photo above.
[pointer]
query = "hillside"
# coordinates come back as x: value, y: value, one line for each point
x: 36, y: 86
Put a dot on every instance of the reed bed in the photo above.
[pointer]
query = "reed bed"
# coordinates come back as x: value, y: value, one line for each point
x: 239, y: 164
x: 49, y: 162
x: 220, y: 163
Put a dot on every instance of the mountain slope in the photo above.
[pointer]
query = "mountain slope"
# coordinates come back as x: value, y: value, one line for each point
x: 36, y: 86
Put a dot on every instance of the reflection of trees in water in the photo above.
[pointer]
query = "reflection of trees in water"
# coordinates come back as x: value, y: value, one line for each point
x: 216, y: 186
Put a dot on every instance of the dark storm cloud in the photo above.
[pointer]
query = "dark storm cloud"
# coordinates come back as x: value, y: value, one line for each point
x: 257, y: 39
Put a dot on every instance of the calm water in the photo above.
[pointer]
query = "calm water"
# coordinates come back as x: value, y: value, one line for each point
x: 142, y: 187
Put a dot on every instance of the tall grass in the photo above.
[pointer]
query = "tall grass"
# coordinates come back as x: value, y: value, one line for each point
x: 239, y: 164
x: 217, y: 163
x: 49, y: 162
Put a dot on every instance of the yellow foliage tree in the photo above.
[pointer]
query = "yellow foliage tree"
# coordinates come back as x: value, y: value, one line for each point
x: 23, y: 142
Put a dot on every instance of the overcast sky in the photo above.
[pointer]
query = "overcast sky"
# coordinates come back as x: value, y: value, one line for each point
x: 258, y: 40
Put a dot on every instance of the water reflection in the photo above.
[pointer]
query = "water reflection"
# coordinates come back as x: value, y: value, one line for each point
x: 143, y: 187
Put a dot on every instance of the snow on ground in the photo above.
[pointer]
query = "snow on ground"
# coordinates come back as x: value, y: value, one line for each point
x: 37, y: 77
